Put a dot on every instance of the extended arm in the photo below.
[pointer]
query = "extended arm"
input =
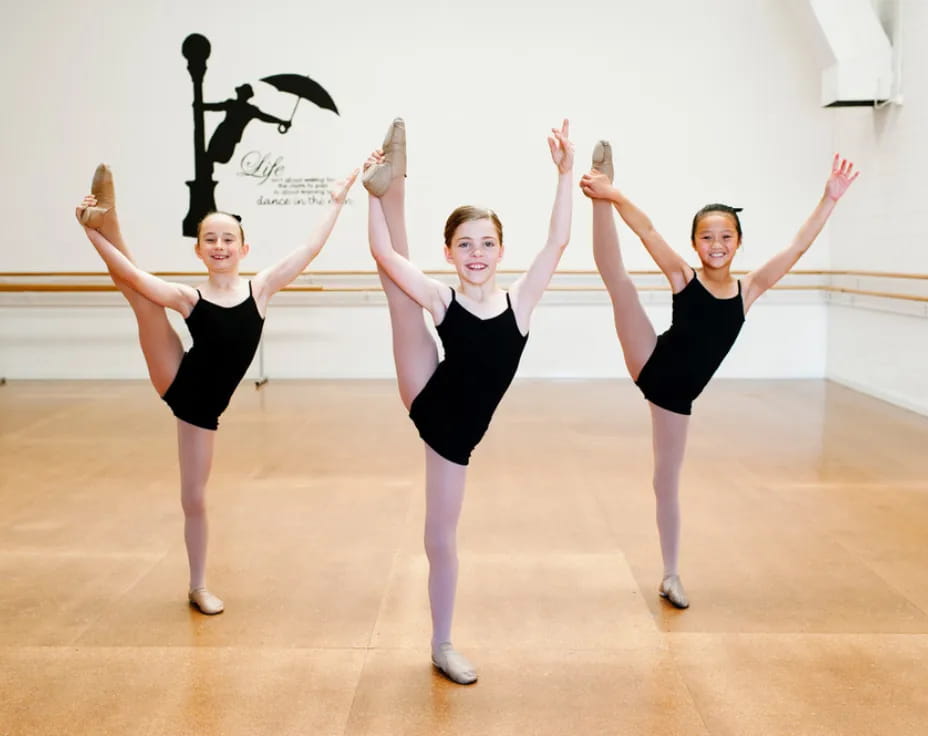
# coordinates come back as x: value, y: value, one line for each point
x: 267, y: 118
x: 673, y: 266
x: 528, y: 289
x: 274, y: 278
x: 763, y: 278
x: 425, y: 291
x: 179, y: 297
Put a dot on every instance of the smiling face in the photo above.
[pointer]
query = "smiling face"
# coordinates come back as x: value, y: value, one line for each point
x: 220, y: 243
x: 716, y: 239
x: 475, y: 250
x: 474, y: 243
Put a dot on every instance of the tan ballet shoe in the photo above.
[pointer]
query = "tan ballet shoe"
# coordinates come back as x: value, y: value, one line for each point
x: 453, y: 665
x: 102, y: 188
x: 672, y: 590
x: 205, y: 601
x: 602, y: 158
x: 377, y: 178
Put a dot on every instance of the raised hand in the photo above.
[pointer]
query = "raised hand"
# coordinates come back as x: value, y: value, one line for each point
x: 596, y: 185
x: 88, y: 201
x: 562, y: 150
x: 375, y: 158
x: 841, y: 177
x: 340, y: 189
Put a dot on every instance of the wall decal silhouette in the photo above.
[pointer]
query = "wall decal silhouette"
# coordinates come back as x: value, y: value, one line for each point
x: 227, y: 135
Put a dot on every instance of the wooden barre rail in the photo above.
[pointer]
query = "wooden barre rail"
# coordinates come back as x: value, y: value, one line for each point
x: 202, y: 274
x: 316, y: 288
x: 64, y: 288
x: 880, y: 294
x: 449, y: 272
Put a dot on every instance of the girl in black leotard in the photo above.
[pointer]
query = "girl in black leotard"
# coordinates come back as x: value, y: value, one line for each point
x: 708, y: 309
x: 483, y: 330
x: 225, y: 316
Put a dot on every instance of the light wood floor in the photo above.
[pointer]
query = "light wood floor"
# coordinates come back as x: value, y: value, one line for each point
x: 805, y: 554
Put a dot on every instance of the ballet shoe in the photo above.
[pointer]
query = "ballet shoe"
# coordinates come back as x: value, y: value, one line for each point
x: 378, y: 177
x: 205, y: 601
x: 102, y: 188
x: 672, y: 590
x: 602, y: 158
x: 453, y: 665
x: 394, y: 147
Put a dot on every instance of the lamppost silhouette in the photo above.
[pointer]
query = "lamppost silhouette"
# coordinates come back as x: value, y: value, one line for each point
x: 196, y: 50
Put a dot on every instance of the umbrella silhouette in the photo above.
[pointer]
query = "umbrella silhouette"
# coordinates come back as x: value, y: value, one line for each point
x: 304, y: 88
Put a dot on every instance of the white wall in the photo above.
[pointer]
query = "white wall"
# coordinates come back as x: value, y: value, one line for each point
x: 876, y: 346
x: 881, y: 353
x: 711, y: 101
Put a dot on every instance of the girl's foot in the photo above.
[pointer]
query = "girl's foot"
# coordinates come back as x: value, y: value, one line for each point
x: 602, y: 158
x: 377, y: 178
x: 672, y: 589
x: 205, y: 601
x: 453, y: 665
x: 105, y: 194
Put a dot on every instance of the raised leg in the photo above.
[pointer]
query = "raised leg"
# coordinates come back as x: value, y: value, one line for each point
x: 160, y: 344
x: 414, y: 351
x: 635, y: 331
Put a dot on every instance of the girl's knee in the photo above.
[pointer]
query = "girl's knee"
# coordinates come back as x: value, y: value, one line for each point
x: 666, y: 484
x: 193, y: 502
x: 440, y: 544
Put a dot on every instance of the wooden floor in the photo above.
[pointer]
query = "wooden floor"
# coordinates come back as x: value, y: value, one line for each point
x: 805, y: 554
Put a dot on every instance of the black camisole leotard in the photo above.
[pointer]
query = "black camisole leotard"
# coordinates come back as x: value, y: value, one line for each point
x: 702, y: 331
x: 224, y: 343
x: 453, y: 411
